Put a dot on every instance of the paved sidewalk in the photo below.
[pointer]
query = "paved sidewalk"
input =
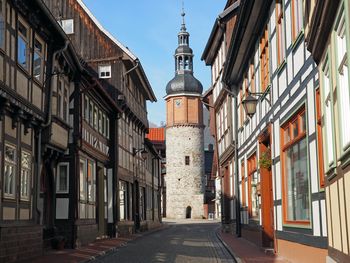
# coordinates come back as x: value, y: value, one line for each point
x: 245, y: 251
x: 89, y: 252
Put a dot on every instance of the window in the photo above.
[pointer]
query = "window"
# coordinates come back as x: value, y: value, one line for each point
x: 319, y: 138
x: 62, y: 100
x: 82, y: 180
x: 264, y: 60
x: 38, y: 64
x: 2, y: 24
x: 281, y: 44
x: 62, y: 178
x: 96, y: 118
x: 91, y: 113
x: 187, y: 160
x: 22, y: 46
x: 91, y: 180
x: 297, y: 18
x: 86, y: 108
x: 123, y: 200
x: 253, y: 199
x: 328, y: 104
x: 10, y: 171
x: 243, y: 201
x: 107, y: 128
x: 67, y: 25
x: 342, y: 73
x: 104, y: 72
x: 26, y: 171
x: 296, y: 197
x: 100, y: 119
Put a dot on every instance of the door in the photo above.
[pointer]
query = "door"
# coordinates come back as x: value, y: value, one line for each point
x: 266, y: 190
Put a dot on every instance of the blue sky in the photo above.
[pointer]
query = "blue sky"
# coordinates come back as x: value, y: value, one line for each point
x: 149, y: 29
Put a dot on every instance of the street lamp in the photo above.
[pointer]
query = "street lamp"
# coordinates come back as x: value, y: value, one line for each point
x: 250, y: 102
x: 142, y: 150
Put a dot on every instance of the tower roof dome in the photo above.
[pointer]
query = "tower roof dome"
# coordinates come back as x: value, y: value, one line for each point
x: 184, y: 81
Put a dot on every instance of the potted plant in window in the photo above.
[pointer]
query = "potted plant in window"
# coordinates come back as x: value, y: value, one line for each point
x: 265, y: 160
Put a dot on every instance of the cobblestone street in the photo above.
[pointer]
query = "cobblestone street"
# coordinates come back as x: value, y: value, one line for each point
x: 184, y: 241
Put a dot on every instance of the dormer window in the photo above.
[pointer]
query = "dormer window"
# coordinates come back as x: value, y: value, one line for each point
x: 104, y: 71
x: 67, y: 26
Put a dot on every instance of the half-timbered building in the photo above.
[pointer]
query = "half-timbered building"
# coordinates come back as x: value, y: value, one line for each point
x: 34, y: 122
x: 282, y: 197
x: 222, y: 104
x: 120, y: 72
x: 328, y: 39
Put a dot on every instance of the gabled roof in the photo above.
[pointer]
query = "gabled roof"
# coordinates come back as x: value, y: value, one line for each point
x: 126, y: 50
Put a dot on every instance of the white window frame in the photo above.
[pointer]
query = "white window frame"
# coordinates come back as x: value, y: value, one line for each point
x: 28, y: 171
x: 342, y: 73
x: 67, y: 25
x: 105, y: 71
x: 58, y: 190
x: 14, y: 165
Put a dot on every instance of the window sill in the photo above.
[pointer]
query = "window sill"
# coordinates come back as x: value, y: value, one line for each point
x: 281, y: 66
x: 331, y: 173
x: 345, y: 159
x: 304, y: 225
x: 298, y: 39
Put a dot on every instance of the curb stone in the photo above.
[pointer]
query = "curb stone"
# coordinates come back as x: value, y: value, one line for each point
x: 234, y: 255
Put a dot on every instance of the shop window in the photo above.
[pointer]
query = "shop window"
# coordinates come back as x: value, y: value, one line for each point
x: 264, y: 60
x: 281, y: 42
x: 342, y: 73
x: 38, y: 64
x: 187, y: 160
x: 253, y: 199
x: 296, y: 197
x: 62, y: 178
x: 23, y: 46
x: 104, y: 71
x: 67, y: 26
x: 2, y: 24
x: 10, y: 171
x: 123, y: 200
x: 26, y: 172
x: 297, y: 18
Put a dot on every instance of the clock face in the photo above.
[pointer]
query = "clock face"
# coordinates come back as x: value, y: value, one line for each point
x: 178, y: 103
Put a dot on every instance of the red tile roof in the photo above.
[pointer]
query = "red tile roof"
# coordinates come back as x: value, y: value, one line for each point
x: 156, y: 134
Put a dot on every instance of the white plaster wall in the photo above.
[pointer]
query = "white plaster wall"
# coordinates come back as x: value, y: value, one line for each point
x: 185, y: 185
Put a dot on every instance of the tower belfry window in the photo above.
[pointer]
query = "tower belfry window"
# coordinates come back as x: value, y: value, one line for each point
x: 187, y: 160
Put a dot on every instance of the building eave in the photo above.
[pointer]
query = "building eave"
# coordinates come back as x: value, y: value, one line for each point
x: 217, y: 33
x: 251, y: 20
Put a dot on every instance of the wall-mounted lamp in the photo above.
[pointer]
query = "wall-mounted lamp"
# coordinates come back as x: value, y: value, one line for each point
x: 142, y: 150
x: 250, y: 102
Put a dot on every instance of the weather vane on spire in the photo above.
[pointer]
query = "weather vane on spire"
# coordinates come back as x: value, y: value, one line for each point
x: 183, y: 26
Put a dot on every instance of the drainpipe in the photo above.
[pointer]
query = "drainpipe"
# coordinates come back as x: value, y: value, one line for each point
x: 238, y: 201
x: 132, y: 69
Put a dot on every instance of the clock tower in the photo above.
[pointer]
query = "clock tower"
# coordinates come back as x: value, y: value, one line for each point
x: 184, y: 136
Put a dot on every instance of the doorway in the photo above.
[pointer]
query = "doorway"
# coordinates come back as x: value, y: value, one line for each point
x: 266, y: 188
x: 188, y: 212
